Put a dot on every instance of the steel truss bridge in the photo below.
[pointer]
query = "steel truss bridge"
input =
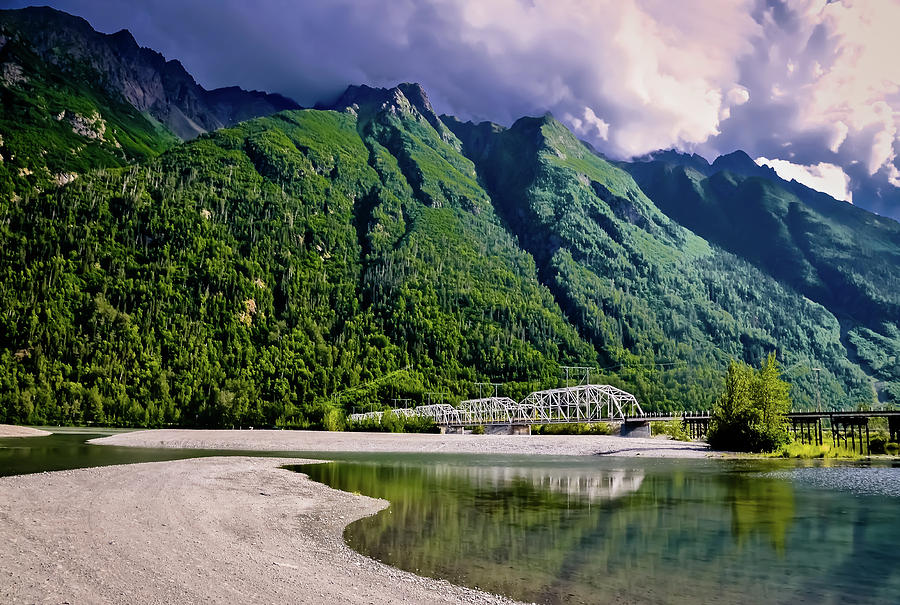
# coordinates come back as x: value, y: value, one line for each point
x: 583, y: 403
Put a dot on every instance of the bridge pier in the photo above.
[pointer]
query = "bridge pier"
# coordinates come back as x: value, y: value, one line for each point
x: 507, y: 429
x: 635, y: 429
x: 810, y: 430
x: 697, y: 426
x: 850, y: 427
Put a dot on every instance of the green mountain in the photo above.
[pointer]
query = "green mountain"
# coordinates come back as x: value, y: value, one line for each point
x: 646, y: 291
x: 840, y: 256
x: 289, y: 268
x: 73, y: 99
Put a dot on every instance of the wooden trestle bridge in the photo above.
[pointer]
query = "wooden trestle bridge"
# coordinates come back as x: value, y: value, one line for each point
x: 849, y: 428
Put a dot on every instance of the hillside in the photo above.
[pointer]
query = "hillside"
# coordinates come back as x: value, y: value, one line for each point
x: 664, y: 307
x: 289, y: 268
x: 74, y: 99
x: 256, y: 274
x: 251, y: 275
x: 843, y: 257
x: 142, y: 77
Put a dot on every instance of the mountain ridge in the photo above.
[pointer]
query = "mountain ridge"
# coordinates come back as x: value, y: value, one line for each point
x: 142, y: 76
x: 288, y: 268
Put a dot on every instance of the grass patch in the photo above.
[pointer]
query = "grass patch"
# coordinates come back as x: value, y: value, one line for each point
x: 582, y: 428
x: 808, y: 450
x: 673, y: 428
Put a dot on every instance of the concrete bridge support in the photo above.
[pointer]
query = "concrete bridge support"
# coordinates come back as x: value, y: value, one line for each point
x: 635, y: 429
x: 507, y: 429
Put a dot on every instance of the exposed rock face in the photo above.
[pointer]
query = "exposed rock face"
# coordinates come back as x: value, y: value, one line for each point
x: 92, y: 127
x: 141, y: 76
x: 11, y: 74
x: 64, y: 178
x: 408, y: 98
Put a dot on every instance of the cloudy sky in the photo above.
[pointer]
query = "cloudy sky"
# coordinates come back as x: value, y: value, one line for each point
x: 810, y: 87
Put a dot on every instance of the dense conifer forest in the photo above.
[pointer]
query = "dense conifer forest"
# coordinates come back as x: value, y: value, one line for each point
x: 291, y: 268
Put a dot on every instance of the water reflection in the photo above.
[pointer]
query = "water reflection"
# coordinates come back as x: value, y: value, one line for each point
x: 581, y: 484
x: 760, y: 507
x: 646, y: 533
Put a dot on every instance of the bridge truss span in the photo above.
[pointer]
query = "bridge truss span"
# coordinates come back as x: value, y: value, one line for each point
x: 584, y: 403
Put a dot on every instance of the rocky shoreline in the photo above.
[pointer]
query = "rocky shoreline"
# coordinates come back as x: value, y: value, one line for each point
x: 11, y: 430
x: 208, y: 530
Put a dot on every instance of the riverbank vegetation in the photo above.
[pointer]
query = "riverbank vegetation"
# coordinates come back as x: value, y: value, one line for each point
x: 673, y: 428
x: 750, y: 413
x: 797, y: 449
x: 581, y: 428
x: 389, y: 422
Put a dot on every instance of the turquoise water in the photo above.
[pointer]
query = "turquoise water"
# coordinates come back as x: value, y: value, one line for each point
x: 603, y: 530
x: 597, y: 530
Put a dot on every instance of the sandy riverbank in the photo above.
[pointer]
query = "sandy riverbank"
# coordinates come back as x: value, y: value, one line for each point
x: 322, y: 441
x: 11, y: 430
x: 210, y: 530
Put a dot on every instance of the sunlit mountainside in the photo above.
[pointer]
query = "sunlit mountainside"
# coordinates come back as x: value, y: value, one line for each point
x: 279, y: 266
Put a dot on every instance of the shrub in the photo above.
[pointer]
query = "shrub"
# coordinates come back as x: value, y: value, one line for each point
x: 673, y: 428
x: 478, y: 429
x: 392, y: 423
x: 892, y: 449
x: 581, y: 428
x: 878, y: 443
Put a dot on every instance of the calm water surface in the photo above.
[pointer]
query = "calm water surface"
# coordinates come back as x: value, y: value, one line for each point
x: 603, y: 530
x: 597, y: 530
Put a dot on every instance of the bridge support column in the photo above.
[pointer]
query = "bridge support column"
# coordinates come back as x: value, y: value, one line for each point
x: 507, y: 429
x: 635, y: 429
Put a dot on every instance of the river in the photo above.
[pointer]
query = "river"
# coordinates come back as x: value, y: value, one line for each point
x: 598, y: 529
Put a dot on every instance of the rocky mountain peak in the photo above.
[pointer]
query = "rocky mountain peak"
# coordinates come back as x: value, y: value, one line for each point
x: 141, y: 76
x: 738, y: 162
x: 404, y: 99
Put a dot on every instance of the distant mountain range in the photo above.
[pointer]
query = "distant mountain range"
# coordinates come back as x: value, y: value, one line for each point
x: 286, y: 266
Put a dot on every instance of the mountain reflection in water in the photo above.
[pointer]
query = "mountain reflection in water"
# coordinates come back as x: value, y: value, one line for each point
x: 636, y: 532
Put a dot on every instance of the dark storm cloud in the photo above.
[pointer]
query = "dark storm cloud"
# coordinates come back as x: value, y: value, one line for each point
x: 799, y: 82
x: 629, y: 75
x: 821, y: 92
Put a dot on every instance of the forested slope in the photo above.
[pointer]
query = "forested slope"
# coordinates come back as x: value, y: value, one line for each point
x: 843, y: 257
x: 664, y: 307
x: 292, y: 267
x: 253, y: 274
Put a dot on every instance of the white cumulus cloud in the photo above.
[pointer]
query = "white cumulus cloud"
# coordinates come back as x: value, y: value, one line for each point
x: 823, y: 177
